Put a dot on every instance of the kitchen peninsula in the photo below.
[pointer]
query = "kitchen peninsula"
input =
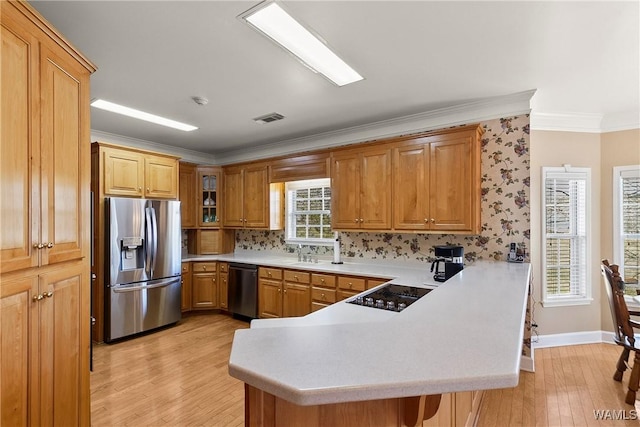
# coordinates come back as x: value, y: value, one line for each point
x: 347, y: 363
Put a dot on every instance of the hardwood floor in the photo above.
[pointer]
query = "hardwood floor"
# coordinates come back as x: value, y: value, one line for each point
x: 178, y: 377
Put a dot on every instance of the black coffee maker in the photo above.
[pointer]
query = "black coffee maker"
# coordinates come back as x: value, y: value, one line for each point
x: 449, y: 261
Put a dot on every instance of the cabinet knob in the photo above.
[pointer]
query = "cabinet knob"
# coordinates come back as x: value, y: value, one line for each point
x: 204, y: 267
x: 269, y: 273
x: 295, y: 277
x: 213, y: 280
x: 47, y: 294
x: 279, y: 290
x: 38, y: 246
x: 350, y: 285
x: 433, y: 220
x: 355, y: 220
x: 50, y: 245
x: 322, y: 281
x: 139, y: 188
x: 147, y: 189
x: 426, y: 220
x: 245, y: 220
x: 37, y: 298
x: 361, y: 220
x: 323, y: 297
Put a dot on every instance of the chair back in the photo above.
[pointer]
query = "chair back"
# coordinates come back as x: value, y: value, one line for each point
x: 614, y: 286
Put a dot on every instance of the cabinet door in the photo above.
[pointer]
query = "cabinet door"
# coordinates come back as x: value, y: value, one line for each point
x: 18, y: 337
x: 269, y: 298
x: 187, y: 194
x: 375, y: 189
x: 185, y: 288
x: 65, y: 157
x: 123, y: 173
x: 64, y: 345
x: 204, y: 288
x: 19, y: 144
x: 450, y: 185
x: 256, y: 197
x: 410, y: 184
x: 233, y: 215
x: 345, y: 190
x: 160, y: 177
x: 208, y: 209
x: 224, y: 291
x: 297, y: 300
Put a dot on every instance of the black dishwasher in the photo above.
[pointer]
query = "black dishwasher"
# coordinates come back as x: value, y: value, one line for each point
x: 243, y: 290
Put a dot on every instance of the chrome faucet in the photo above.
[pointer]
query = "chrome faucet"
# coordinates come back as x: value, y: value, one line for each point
x: 299, y: 252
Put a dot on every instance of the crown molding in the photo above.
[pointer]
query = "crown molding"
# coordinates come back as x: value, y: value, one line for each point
x: 184, y: 154
x: 475, y: 111
x: 585, y: 122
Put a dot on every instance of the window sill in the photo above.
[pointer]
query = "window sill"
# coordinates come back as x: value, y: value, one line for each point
x: 567, y: 302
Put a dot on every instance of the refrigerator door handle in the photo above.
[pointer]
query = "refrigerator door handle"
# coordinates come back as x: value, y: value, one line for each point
x: 154, y: 228
x: 129, y: 288
x: 148, y: 241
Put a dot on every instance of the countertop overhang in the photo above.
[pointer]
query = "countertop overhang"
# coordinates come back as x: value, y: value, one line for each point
x: 466, y: 334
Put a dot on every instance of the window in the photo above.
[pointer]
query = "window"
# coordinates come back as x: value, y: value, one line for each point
x: 626, y: 224
x: 565, y: 244
x: 308, y: 210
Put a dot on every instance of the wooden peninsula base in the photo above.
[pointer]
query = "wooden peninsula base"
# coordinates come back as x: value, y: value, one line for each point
x: 451, y: 409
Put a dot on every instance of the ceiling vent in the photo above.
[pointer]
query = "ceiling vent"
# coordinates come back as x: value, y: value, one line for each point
x: 268, y: 118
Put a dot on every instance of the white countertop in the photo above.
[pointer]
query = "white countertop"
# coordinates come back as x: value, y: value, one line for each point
x: 466, y: 334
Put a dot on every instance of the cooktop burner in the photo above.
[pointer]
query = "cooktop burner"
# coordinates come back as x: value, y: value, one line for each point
x: 391, y: 297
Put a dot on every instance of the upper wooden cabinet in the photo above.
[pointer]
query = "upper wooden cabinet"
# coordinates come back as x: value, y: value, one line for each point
x: 436, y: 182
x: 45, y: 216
x: 297, y: 168
x: 134, y: 173
x: 208, y: 203
x: 187, y: 195
x: 361, y: 189
x: 249, y: 200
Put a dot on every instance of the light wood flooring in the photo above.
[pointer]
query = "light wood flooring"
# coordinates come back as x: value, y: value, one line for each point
x: 178, y: 377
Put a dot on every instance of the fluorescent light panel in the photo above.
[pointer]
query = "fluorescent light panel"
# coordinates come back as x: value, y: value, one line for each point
x: 137, y: 114
x: 278, y: 25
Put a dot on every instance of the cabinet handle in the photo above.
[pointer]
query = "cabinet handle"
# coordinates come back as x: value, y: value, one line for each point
x: 322, y: 281
x: 361, y: 220
x: 245, y: 220
x: 433, y: 220
x: 323, y: 297
x: 50, y: 245
x: 147, y: 189
x: 47, y: 294
x: 139, y: 188
x: 426, y: 220
x: 279, y: 290
x: 38, y: 246
x: 37, y: 298
x: 350, y: 285
x: 269, y: 273
x: 295, y: 277
x: 204, y: 267
x: 213, y: 280
x: 356, y: 220
x: 285, y: 291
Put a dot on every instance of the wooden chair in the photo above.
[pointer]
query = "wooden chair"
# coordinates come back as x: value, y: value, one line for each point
x: 623, y: 328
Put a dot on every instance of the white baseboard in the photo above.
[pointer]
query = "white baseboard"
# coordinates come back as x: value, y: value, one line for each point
x: 572, y: 338
x: 526, y: 363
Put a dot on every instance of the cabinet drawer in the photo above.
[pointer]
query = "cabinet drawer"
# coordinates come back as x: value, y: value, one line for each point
x: 224, y: 267
x: 270, y: 273
x: 315, y: 306
x: 323, y: 295
x: 186, y: 267
x: 296, y: 276
x: 324, y: 280
x: 351, y: 283
x: 342, y: 294
x: 207, y: 267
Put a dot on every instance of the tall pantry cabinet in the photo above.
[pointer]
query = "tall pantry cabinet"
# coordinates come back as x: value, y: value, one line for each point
x: 45, y: 224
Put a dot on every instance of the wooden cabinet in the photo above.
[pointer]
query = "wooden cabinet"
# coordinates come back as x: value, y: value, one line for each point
x: 456, y: 410
x: 437, y: 182
x: 44, y: 212
x: 298, y: 168
x: 249, y: 200
x: 223, y: 280
x: 126, y: 172
x: 204, y: 285
x: 361, y: 189
x: 297, y: 293
x: 269, y: 292
x: 323, y: 291
x: 187, y: 194
x: 208, y: 197
x: 210, y: 242
x: 349, y: 286
x: 185, y: 287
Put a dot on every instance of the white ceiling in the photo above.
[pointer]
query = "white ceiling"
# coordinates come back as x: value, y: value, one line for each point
x: 416, y: 56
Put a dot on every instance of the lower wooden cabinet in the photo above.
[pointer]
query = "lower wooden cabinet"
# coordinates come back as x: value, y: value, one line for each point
x: 456, y: 410
x: 283, y: 293
x: 269, y: 292
x: 45, y: 348
x: 186, y: 287
x: 204, y: 285
x: 223, y: 282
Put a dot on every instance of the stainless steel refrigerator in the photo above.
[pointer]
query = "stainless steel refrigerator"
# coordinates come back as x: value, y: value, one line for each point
x: 144, y: 259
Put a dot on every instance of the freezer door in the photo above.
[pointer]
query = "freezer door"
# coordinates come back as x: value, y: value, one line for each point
x: 166, y: 238
x: 140, y: 307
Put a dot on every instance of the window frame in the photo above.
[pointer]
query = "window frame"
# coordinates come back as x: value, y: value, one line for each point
x: 585, y: 296
x: 289, y: 234
x: 619, y: 172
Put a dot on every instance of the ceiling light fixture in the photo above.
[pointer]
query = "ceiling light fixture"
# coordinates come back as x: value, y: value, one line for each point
x: 271, y: 20
x: 137, y: 114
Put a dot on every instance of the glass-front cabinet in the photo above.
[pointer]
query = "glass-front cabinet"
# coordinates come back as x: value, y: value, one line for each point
x: 208, y: 190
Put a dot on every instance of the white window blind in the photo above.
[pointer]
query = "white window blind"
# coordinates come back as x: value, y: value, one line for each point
x: 308, y: 210
x: 626, y: 226
x: 565, y: 201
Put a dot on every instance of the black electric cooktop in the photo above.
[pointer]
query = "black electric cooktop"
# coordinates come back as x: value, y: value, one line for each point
x: 391, y: 297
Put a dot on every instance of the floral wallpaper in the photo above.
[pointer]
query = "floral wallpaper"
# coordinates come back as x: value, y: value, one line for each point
x: 505, y: 210
x: 505, y: 214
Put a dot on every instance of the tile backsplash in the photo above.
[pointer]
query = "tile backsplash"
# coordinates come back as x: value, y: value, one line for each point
x: 505, y: 210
